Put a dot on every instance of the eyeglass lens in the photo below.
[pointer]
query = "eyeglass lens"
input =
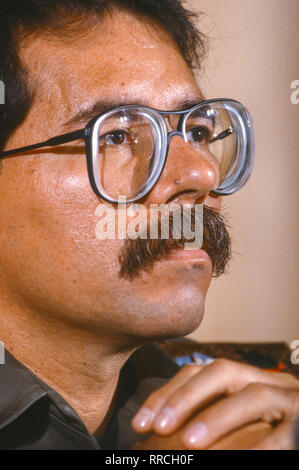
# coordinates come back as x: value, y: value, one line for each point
x: 127, y: 147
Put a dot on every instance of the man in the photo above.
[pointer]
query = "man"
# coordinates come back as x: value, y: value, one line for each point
x: 75, y: 309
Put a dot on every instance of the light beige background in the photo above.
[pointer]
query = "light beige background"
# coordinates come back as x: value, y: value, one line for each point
x: 253, y: 58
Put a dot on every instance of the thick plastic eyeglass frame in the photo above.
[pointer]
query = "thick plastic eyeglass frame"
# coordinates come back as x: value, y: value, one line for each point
x: 242, y: 126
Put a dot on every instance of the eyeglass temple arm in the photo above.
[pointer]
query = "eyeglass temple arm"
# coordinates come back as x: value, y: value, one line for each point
x: 71, y: 136
x: 61, y: 139
x: 223, y: 134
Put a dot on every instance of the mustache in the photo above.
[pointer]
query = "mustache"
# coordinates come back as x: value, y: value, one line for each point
x: 141, y: 254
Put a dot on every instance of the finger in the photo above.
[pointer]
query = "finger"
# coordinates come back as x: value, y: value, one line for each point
x: 256, y: 402
x: 155, y: 442
x: 281, y: 438
x: 243, y: 438
x: 143, y: 420
x: 222, y: 377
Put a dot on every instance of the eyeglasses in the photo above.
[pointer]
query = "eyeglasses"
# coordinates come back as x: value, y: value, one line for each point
x: 127, y: 147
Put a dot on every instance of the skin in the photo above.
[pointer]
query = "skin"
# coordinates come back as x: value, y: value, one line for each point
x: 65, y: 309
x: 216, y: 415
x: 66, y: 314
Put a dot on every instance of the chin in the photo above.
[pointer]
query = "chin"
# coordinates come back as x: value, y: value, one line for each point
x: 184, y: 323
x: 172, y: 320
x: 166, y: 303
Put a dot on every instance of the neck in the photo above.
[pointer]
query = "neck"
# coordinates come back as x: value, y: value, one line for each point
x: 78, y: 364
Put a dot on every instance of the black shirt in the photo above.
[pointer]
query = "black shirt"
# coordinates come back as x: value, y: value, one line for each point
x: 34, y: 416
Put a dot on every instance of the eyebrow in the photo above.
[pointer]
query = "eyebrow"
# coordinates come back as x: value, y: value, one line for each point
x: 102, y: 106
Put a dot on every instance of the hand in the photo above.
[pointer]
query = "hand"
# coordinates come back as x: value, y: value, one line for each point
x: 201, y: 405
x: 241, y: 439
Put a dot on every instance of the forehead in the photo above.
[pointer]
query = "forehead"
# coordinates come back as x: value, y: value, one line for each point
x: 124, y: 58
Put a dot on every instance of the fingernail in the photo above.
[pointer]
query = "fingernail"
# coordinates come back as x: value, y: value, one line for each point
x: 195, y: 434
x: 143, y: 418
x: 165, y: 418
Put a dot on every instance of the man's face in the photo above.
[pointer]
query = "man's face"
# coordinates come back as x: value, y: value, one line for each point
x: 51, y: 260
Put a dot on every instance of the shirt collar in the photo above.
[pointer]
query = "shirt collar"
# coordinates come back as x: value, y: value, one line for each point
x: 20, y: 389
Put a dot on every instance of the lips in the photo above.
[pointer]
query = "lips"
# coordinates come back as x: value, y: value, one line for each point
x: 183, y: 254
x: 141, y: 254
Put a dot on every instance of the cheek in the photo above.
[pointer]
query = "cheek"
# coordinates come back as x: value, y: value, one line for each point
x: 49, y: 218
x: 53, y: 194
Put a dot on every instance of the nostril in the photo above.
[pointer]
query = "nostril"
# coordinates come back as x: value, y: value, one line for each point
x: 187, y: 194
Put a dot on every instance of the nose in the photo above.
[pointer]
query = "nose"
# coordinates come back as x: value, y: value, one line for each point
x: 187, y: 172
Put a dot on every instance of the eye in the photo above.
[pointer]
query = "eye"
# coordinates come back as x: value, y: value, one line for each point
x: 199, y: 134
x: 117, y: 137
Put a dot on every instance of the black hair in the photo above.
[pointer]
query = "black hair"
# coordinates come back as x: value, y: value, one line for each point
x: 21, y: 18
